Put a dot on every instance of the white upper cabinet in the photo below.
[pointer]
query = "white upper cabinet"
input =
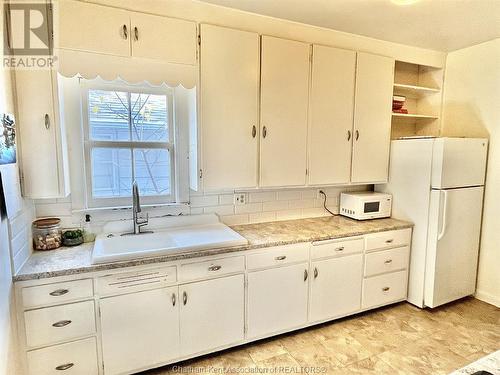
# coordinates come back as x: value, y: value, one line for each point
x: 93, y: 28
x: 43, y: 147
x: 229, y: 107
x: 163, y: 38
x: 331, y: 115
x: 284, y: 105
x: 101, y: 29
x: 372, y: 118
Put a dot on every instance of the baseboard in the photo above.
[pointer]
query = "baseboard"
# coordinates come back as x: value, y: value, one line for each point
x: 488, y: 298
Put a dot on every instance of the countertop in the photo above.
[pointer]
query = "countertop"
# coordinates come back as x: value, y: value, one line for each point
x: 76, y: 260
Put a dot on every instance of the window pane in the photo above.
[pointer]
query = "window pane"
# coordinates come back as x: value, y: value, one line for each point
x: 152, y: 171
x: 108, y: 115
x: 111, y: 172
x: 149, y: 117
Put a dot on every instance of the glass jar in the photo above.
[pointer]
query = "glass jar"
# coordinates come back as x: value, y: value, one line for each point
x: 47, y: 233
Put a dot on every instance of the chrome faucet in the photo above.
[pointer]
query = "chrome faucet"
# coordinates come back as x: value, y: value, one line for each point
x: 139, y: 222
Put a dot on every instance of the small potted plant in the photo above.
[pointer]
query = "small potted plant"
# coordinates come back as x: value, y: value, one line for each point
x: 73, y: 237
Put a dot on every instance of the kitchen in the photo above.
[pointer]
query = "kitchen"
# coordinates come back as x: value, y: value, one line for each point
x: 321, y: 196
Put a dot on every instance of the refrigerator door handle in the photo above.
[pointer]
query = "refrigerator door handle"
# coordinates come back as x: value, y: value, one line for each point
x: 445, y: 208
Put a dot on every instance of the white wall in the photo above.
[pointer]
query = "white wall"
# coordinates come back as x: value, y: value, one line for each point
x: 472, y: 109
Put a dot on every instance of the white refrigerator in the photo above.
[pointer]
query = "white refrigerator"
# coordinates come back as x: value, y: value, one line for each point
x: 438, y: 183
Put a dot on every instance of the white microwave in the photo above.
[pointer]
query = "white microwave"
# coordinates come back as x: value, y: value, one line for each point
x: 365, y: 205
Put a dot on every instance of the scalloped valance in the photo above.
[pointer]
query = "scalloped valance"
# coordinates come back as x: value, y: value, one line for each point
x: 70, y: 63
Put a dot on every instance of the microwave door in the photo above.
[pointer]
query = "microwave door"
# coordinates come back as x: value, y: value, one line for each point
x: 371, y: 207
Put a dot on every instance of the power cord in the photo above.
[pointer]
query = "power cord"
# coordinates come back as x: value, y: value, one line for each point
x: 324, y: 202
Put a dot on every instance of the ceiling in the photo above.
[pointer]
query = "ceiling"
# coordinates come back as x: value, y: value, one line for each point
x: 443, y: 25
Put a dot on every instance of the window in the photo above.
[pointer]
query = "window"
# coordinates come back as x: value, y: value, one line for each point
x: 129, y: 135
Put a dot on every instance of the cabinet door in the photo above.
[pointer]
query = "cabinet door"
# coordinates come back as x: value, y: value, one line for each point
x: 284, y: 104
x: 277, y: 300
x: 93, y: 28
x: 331, y: 115
x: 139, y: 330
x: 372, y: 118
x: 212, y: 314
x: 229, y: 107
x: 163, y: 38
x: 335, y: 287
x: 43, y: 142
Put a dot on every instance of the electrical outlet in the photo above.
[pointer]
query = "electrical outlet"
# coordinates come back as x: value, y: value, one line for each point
x: 319, y: 195
x: 240, y: 198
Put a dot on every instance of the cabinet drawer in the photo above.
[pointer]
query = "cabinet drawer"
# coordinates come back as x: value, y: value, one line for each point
x: 211, y: 268
x: 393, y: 238
x: 333, y: 248
x: 127, y: 282
x: 383, y: 289
x: 274, y: 256
x: 58, y: 323
x: 74, y: 358
x: 39, y: 295
x: 386, y: 261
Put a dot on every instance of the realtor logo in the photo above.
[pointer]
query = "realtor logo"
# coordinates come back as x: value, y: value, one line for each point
x: 27, y: 36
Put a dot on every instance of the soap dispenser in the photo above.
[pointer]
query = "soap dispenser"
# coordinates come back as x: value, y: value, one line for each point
x: 88, y: 235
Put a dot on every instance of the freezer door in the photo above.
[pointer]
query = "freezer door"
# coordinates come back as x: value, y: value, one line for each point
x: 458, y: 162
x: 453, y: 244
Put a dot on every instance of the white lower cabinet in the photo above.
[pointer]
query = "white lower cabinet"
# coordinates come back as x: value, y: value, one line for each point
x: 75, y: 358
x: 384, y: 289
x: 212, y: 314
x: 335, y: 287
x: 277, y: 299
x: 139, y: 330
x: 191, y: 307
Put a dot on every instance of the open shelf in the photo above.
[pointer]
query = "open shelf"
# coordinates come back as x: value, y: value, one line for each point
x: 414, y: 91
x: 414, y: 116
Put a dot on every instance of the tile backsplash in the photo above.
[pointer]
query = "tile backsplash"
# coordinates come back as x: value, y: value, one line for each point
x: 261, y: 206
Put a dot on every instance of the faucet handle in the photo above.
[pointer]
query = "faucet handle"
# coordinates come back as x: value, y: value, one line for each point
x: 143, y: 221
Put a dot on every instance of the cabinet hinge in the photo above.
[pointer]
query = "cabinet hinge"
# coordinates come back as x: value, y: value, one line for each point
x: 307, y: 171
x: 199, y: 39
x: 311, y: 55
x: 99, y: 311
x: 201, y: 173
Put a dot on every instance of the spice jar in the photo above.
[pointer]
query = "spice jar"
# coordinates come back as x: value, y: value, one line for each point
x: 47, y: 233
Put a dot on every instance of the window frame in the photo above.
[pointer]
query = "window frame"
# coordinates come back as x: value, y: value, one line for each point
x: 89, y: 144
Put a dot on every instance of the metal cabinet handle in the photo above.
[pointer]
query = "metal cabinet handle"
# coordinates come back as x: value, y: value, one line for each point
x: 385, y: 289
x: 281, y: 257
x: 47, y: 121
x: 59, y: 292
x: 214, y: 268
x: 125, y: 32
x: 388, y: 261
x: 174, y: 299
x: 136, y: 33
x: 306, y: 274
x: 349, y: 135
x: 390, y: 241
x: 254, y: 131
x: 316, y: 272
x: 357, y: 135
x: 341, y: 248
x: 61, y: 323
x: 64, y: 367
x: 264, y: 132
x: 184, y: 298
